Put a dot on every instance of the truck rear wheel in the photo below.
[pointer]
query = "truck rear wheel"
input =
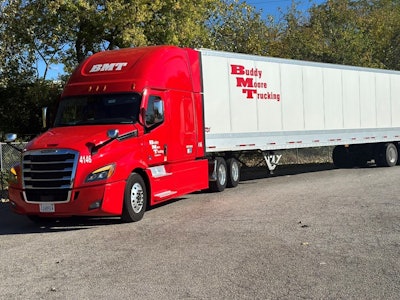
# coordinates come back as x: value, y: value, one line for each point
x: 135, y: 199
x: 233, y: 172
x: 386, y: 155
x: 220, y: 183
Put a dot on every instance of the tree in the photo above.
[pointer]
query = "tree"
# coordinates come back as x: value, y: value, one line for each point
x: 237, y: 27
x: 363, y: 33
x: 93, y: 26
x: 331, y: 33
x: 15, y: 57
x: 383, y: 27
x: 67, y: 31
x: 293, y: 35
x: 181, y: 23
x: 21, y: 105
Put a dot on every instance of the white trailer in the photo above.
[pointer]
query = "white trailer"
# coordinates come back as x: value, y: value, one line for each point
x: 267, y: 104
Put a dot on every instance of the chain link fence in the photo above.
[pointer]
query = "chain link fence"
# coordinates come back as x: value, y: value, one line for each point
x: 9, y: 156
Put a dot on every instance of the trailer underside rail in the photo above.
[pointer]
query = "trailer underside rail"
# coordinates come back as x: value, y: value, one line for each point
x: 268, y: 141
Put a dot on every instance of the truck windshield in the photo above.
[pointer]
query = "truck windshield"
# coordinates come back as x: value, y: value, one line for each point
x: 98, y: 109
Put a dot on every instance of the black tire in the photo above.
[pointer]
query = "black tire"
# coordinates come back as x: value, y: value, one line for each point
x: 342, y: 158
x: 135, y: 199
x: 233, y: 172
x: 221, y: 172
x: 398, y: 151
x: 386, y: 155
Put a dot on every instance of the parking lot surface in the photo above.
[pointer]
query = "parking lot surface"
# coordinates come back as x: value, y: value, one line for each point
x: 305, y: 233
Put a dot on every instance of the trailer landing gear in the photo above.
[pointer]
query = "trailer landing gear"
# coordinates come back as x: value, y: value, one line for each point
x: 272, y: 160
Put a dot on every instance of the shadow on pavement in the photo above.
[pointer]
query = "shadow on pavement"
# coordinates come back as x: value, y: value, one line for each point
x: 283, y: 170
x: 11, y: 223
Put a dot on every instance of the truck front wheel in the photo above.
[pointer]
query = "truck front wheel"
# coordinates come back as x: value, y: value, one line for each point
x: 135, y: 199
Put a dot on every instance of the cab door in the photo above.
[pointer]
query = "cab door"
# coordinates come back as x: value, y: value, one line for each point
x: 155, y: 143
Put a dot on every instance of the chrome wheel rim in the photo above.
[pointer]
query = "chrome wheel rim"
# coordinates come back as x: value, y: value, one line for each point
x: 235, y: 171
x: 137, y: 197
x: 222, y: 175
x: 392, y: 154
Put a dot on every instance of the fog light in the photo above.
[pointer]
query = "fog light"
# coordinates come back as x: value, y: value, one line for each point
x: 95, y: 205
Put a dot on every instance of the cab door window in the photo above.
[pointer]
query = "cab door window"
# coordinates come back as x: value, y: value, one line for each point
x: 154, y: 112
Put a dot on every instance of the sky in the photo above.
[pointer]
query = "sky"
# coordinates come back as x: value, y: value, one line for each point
x: 273, y: 7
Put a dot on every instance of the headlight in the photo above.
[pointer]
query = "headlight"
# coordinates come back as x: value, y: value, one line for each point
x: 101, y: 174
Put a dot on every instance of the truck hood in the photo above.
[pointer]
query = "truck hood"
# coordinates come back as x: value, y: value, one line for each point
x: 77, y: 137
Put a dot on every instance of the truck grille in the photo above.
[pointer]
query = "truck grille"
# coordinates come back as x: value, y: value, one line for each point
x: 48, y: 175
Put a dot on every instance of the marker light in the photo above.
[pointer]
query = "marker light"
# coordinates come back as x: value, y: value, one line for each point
x: 13, y: 176
x: 101, y: 174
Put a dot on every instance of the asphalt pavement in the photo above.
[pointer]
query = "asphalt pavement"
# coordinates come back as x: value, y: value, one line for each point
x: 309, y: 232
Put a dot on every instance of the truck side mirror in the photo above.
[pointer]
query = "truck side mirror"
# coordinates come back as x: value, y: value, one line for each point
x: 112, y: 133
x: 10, y: 137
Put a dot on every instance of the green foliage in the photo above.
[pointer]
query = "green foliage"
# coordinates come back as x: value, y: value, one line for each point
x: 383, y: 26
x: 237, y: 27
x: 93, y: 26
x: 362, y: 33
x: 179, y: 22
x: 15, y: 57
x: 354, y: 32
x: 21, y: 106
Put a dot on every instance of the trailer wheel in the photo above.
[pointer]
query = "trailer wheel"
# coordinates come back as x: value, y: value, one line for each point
x: 220, y: 183
x: 342, y: 158
x: 386, y: 155
x: 233, y: 172
x: 135, y: 199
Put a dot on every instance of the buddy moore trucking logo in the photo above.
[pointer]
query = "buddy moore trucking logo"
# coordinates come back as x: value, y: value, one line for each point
x: 251, y: 83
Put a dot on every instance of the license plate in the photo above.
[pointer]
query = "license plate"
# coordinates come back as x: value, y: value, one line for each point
x: 47, y: 207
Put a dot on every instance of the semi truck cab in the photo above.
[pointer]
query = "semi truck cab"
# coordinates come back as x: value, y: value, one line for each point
x: 127, y: 134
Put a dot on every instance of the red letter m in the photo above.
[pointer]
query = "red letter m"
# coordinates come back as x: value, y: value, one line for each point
x: 248, y: 82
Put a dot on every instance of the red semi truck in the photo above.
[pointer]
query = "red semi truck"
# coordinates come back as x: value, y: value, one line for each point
x: 136, y: 127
